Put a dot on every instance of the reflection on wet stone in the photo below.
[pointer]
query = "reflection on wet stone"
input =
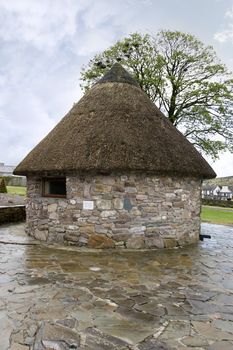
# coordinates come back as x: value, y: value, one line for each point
x: 54, y: 297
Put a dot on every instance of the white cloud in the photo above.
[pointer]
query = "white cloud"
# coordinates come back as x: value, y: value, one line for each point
x: 43, y: 23
x: 102, y: 24
x: 93, y: 41
x: 19, y: 135
x: 46, y: 24
x: 226, y: 34
x: 229, y: 13
x: 223, y: 166
x: 42, y: 42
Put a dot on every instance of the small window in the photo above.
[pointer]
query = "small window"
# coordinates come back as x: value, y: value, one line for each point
x: 54, y: 187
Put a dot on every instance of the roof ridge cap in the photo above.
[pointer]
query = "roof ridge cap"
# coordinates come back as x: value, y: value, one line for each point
x: 118, y: 74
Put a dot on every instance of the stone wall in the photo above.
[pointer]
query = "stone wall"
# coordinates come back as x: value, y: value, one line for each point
x: 135, y: 211
x: 12, y: 214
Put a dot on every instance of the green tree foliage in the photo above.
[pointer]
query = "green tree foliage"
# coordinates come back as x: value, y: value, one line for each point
x: 3, y: 188
x: 184, y: 78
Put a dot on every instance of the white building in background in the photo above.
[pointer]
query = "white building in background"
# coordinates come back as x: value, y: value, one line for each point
x: 217, y: 192
x: 226, y: 192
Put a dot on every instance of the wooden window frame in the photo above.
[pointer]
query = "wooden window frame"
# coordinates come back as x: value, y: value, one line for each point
x: 44, y: 194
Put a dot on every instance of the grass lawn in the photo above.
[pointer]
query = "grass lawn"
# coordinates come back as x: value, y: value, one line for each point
x: 217, y: 215
x: 16, y: 190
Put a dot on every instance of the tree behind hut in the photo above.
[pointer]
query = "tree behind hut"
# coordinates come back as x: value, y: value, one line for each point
x: 3, y: 188
x: 183, y: 77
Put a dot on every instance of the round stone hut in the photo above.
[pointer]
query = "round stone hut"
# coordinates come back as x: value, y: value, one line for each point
x: 115, y: 172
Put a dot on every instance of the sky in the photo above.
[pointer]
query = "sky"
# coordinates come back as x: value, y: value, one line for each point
x: 45, y: 43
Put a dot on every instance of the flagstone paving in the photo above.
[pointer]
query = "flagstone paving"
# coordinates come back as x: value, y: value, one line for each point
x: 61, y: 298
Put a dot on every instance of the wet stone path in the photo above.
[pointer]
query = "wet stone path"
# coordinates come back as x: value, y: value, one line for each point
x: 60, y: 298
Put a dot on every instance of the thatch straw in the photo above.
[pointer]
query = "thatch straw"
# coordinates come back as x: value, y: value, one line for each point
x: 115, y: 127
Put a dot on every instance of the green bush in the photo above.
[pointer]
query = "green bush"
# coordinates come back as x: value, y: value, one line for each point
x: 217, y: 203
x: 3, y: 188
x: 7, y: 179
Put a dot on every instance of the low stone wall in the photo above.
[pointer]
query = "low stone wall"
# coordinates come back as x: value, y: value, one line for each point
x: 20, y: 181
x: 129, y: 211
x: 12, y: 214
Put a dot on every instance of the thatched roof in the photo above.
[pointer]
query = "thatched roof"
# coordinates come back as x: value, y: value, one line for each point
x: 115, y: 127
